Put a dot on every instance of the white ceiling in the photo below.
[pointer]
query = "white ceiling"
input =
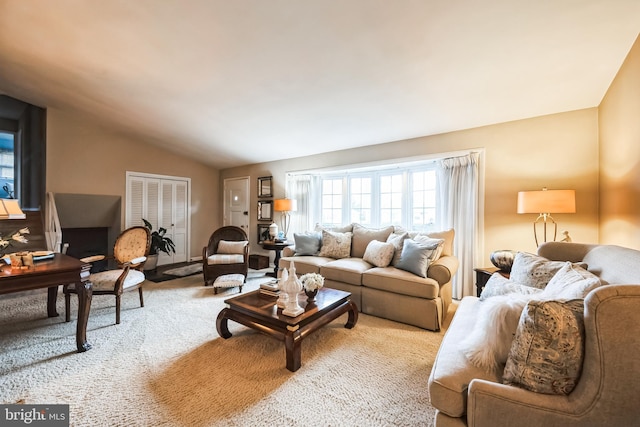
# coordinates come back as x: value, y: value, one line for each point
x: 233, y: 82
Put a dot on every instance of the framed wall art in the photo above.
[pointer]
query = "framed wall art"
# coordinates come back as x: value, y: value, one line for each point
x: 265, y: 210
x: 265, y: 186
x: 263, y: 232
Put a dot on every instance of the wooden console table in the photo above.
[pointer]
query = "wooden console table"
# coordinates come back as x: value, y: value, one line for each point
x: 51, y: 273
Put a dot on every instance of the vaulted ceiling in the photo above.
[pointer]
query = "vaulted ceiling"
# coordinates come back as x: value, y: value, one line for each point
x: 246, y: 81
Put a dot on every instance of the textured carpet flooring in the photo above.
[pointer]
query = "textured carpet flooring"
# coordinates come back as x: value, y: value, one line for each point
x: 165, y: 365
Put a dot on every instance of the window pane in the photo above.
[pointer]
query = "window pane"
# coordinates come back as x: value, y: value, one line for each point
x: 423, y: 200
x: 360, y: 192
x: 331, y: 202
x: 391, y: 199
x: 7, y: 189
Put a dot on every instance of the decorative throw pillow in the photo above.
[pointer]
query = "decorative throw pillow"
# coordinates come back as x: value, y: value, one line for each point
x: 231, y: 247
x: 488, y: 344
x: 500, y: 285
x: 307, y: 243
x: 397, y: 239
x: 438, y: 244
x: 571, y: 282
x: 363, y: 235
x: 533, y: 270
x: 335, y: 245
x: 415, y: 257
x: 379, y: 253
x: 547, y: 351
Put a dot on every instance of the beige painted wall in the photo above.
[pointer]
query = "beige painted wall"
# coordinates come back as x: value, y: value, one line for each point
x: 559, y: 151
x: 619, y: 127
x: 84, y: 158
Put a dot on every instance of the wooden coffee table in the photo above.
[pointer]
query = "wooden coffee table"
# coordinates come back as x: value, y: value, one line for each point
x: 260, y: 312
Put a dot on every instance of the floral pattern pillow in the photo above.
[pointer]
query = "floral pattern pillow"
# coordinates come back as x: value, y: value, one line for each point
x: 546, y: 354
x: 379, y: 253
x: 533, y: 270
x: 336, y: 245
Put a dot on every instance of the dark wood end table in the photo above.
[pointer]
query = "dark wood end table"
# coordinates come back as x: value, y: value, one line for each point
x: 277, y: 247
x: 260, y: 312
x: 482, y: 277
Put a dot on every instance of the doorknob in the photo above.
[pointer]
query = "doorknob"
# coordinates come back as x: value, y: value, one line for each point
x: 245, y: 213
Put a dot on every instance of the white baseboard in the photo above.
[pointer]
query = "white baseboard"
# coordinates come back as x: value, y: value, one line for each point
x: 196, y: 258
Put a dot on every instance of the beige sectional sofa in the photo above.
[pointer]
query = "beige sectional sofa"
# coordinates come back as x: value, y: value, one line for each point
x: 606, y: 390
x: 386, y: 292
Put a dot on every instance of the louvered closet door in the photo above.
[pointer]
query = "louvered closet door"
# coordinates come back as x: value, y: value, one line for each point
x: 164, y: 203
x: 173, y: 217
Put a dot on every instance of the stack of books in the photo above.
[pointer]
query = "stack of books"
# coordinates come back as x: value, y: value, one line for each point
x: 270, y: 288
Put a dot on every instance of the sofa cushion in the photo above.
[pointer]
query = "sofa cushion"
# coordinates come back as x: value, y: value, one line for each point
x: 379, y: 253
x: 500, y: 285
x: 571, y: 282
x: 347, y: 270
x: 392, y: 279
x: 452, y: 372
x: 225, y: 259
x: 335, y: 245
x: 305, y: 264
x: 307, y: 243
x: 363, y: 235
x: 546, y: 355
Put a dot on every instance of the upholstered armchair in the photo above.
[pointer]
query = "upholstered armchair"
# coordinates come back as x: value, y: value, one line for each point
x: 130, y: 253
x: 226, y: 253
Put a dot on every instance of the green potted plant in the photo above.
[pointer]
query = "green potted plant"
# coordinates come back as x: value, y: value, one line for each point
x: 159, y: 243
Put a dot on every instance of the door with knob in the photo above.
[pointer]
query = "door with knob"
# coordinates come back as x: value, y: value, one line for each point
x: 236, y: 203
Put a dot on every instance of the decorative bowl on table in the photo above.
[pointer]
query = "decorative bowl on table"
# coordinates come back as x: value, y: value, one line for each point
x: 503, y: 259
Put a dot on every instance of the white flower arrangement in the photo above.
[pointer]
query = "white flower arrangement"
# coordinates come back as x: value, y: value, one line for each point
x: 17, y: 236
x: 312, y: 281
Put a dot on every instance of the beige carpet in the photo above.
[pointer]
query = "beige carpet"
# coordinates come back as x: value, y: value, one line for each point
x: 165, y: 365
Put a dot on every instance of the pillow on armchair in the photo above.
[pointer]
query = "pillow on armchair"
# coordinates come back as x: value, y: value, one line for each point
x: 231, y: 247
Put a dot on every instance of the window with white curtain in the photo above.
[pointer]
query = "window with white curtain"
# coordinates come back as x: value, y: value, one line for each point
x: 392, y: 195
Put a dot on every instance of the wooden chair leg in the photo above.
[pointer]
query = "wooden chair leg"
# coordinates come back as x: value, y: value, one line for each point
x: 215, y: 291
x: 141, y: 297
x: 240, y: 288
x: 67, y: 308
x: 117, y: 309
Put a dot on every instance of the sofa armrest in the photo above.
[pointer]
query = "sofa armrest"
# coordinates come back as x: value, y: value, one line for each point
x: 289, y: 251
x: 443, y: 269
x: 493, y: 404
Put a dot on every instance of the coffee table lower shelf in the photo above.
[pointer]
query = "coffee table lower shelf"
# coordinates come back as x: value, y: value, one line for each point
x: 259, y: 312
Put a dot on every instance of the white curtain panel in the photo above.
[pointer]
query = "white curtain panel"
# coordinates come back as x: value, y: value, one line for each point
x: 458, y: 209
x: 299, y: 187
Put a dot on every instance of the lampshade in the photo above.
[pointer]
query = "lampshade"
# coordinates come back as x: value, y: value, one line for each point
x: 10, y: 209
x: 285, y: 205
x: 547, y: 201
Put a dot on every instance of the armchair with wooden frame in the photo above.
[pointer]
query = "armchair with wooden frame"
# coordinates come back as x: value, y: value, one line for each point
x: 130, y: 253
x: 226, y: 258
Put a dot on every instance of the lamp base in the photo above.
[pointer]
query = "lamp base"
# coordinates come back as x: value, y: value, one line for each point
x: 544, y: 219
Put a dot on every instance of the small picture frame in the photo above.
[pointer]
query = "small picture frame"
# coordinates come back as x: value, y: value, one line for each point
x: 265, y: 186
x: 263, y: 232
x: 265, y: 210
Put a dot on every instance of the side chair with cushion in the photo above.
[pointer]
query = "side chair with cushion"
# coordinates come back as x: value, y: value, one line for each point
x: 226, y: 253
x: 130, y: 253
